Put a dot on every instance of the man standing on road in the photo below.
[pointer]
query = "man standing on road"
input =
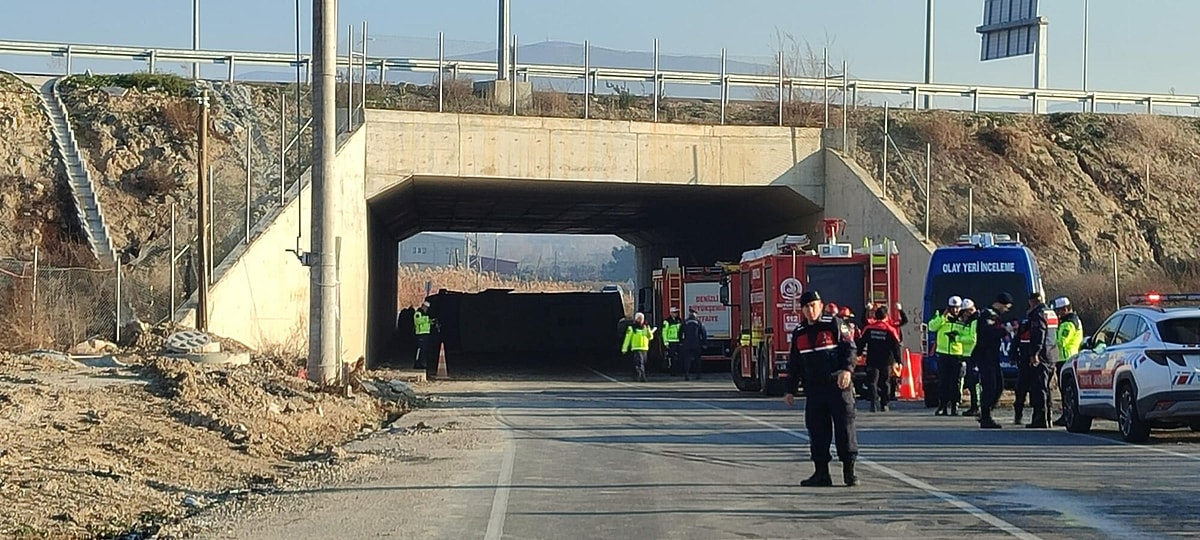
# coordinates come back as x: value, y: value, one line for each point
x: 691, y: 344
x: 637, y: 341
x: 990, y: 332
x: 1070, y: 338
x: 823, y: 350
x: 1032, y: 339
x: 883, y: 351
x: 670, y: 338
x: 968, y: 337
x: 949, y: 357
x: 423, y: 326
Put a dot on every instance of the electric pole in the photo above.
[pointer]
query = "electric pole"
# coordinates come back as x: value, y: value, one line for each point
x: 928, y: 47
x: 202, y: 217
x: 322, y: 322
x: 195, y: 37
x: 502, y: 43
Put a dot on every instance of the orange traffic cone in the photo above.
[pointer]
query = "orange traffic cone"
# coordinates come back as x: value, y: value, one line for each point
x: 908, y: 382
x: 441, y: 370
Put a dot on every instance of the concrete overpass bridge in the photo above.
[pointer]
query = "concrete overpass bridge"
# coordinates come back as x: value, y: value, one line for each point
x: 700, y: 192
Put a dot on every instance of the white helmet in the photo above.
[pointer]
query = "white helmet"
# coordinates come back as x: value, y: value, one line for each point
x: 955, y: 302
x: 967, y: 303
x: 1060, y: 302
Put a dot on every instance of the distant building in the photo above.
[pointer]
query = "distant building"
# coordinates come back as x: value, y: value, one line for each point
x: 434, y: 250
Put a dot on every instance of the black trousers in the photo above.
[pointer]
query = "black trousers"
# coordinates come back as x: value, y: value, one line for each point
x: 690, y: 358
x: 950, y: 376
x: 991, y: 381
x: 971, y: 381
x: 879, y: 381
x: 1058, y: 374
x: 424, y: 352
x: 1039, y: 391
x: 829, y: 417
x: 671, y: 359
x: 1024, y: 384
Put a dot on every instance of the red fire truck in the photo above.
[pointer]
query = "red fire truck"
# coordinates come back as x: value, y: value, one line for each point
x: 699, y: 288
x: 764, y: 295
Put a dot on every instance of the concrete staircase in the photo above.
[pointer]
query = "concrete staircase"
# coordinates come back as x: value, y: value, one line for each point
x: 87, y: 204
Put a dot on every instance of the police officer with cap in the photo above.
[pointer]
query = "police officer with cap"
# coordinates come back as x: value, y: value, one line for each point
x: 990, y: 332
x: 1033, y: 353
x: 823, y: 349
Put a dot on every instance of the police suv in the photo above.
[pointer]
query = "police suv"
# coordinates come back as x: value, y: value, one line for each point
x: 1141, y: 369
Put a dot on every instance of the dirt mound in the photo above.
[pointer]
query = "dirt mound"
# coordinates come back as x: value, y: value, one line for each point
x: 87, y: 452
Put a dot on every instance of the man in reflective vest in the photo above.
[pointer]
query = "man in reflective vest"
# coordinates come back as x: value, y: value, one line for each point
x: 423, y: 326
x: 949, y: 357
x: 637, y: 342
x: 969, y: 319
x: 670, y: 337
x: 1070, y: 337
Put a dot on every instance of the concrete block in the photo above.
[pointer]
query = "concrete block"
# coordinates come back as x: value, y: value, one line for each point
x: 500, y: 92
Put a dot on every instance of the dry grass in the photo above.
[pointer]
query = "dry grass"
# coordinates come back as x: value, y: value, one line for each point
x: 943, y: 130
x: 181, y: 117
x: 155, y: 181
x: 458, y: 90
x: 1005, y: 140
x: 1037, y: 231
x: 552, y: 103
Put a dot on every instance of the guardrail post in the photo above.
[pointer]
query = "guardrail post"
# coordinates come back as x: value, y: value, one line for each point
x: 916, y: 91
x: 441, y: 80
x: 232, y: 66
x: 153, y: 60
x: 724, y: 84
x: 975, y: 100
x: 512, y: 84
x: 655, y: 83
x: 587, y: 71
x: 845, y: 112
x: 68, y: 55
x: 1149, y: 105
x: 1093, y: 104
x: 779, y: 61
x: 825, y: 82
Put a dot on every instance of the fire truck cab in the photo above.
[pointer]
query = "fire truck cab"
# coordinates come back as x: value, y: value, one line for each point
x: 766, y: 289
x: 698, y: 288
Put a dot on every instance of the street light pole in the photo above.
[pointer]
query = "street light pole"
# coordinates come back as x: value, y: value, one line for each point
x: 195, y: 37
x: 502, y: 44
x: 928, y: 47
x: 1085, y: 43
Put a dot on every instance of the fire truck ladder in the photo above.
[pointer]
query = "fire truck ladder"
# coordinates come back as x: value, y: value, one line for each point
x: 881, y: 270
x: 673, y: 282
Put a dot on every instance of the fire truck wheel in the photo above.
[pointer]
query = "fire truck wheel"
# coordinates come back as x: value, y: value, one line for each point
x: 744, y: 384
x: 767, y: 385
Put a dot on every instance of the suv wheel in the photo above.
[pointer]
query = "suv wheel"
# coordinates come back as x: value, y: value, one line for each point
x: 1133, y: 428
x: 1076, y: 422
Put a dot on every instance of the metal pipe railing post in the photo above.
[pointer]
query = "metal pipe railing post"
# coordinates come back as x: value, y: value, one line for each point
x: 441, y: 80
x: 724, y: 84
x: 845, y: 112
x: 117, y: 319
x: 971, y: 210
x: 512, y: 84
x: 587, y: 79
x: 283, y: 144
x: 249, y: 201
x: 654, y: 85
x: 33, y: 296
x: 362, y: 91
x: 171, y: 304
x: 928, y: 192
x: 779, y: 88
x: 825, y: 83
x: 886, y: 136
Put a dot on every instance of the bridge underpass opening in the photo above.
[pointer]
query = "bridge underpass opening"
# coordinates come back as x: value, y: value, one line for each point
x: 699, y: 224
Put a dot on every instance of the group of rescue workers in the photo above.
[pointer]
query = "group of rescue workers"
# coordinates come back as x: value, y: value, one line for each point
x: 682, y: 339
x: 970, y: 343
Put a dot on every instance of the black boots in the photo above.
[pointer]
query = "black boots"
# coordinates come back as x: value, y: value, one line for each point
x: 1040, y: 420
x: 986, y: 421
x: 819, y: 478
x: 1018, y: 417
x: 973, y: 411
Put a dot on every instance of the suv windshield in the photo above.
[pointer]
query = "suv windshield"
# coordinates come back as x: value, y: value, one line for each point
x: 1180, y: 331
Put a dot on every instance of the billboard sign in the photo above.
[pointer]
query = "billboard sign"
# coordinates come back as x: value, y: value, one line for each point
x: 1010, y: 28
x: 705, y: 298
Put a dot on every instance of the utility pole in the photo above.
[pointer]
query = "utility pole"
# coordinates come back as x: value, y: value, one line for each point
x: 195, y: 37
x: 928, y: 47
x: 502, y: 44
x: 202, y: 217
x: 322, y: 320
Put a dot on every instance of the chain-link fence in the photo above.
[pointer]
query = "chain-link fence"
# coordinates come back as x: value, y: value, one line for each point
x: 55, y: 307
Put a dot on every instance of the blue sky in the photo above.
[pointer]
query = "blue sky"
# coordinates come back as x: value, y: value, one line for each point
x: 1143, y: 48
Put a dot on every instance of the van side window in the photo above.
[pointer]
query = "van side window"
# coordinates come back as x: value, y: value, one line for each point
x: 1108, y: 331
x: 1132, y: 327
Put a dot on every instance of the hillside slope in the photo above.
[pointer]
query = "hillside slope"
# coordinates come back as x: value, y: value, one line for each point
x: 1077, y: 187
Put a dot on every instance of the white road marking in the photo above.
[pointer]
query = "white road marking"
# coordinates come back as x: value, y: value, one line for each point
x: 1140, y: 446
x: 918, y: 484
x: 495, y: 528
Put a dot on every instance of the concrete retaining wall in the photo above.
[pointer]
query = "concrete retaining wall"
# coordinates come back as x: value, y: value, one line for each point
x: 852, y: 194
x: 404, y: 143
x: 262, y: 299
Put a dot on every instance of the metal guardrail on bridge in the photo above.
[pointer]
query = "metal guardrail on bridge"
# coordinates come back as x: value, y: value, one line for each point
x: 725, y: 80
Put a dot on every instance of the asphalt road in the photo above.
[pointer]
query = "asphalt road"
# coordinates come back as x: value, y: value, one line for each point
x: 587, y: 456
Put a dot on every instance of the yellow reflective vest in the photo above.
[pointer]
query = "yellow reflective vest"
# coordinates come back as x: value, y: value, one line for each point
x: 637, y: 339
x: 671, y: 331
x: 944, y: 326
x: 422, y: 323
x: 1070, y: 336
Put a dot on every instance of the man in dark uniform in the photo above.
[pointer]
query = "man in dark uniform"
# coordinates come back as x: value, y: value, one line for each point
x: 823, y: 350
x: 990, y: 331
x: 1032, y: 338
x: 882, y: 344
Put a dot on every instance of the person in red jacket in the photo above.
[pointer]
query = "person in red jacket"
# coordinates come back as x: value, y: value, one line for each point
x: 883, y: 351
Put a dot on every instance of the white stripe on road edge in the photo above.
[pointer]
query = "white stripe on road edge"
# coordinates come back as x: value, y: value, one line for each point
x: 1140, y: 446
x: 919, y: 484
x: 495, y: 528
